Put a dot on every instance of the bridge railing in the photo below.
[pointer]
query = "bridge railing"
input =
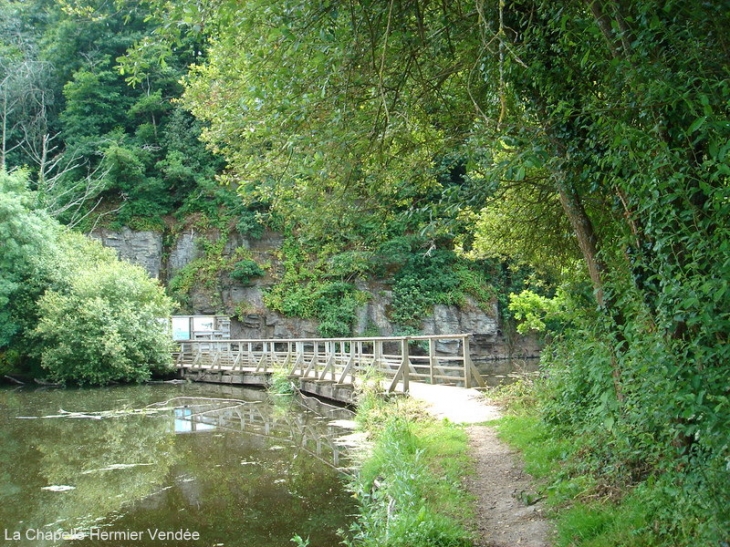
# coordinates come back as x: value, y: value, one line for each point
x: 435, y: 359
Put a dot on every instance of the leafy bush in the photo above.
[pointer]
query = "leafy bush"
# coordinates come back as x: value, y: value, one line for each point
x: 107, y: 326
x: 333, y: 303
x: 307, y: 290
x: 648, y: 443
x: 535, y: 311
x: 349, y: 264
x: 335, y: 307
x: 435, y: 277
x: 245, y: 270
x: 249, y: 224
x: 27, y: 238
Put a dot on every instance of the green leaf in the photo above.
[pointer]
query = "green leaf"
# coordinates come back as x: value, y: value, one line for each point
x: 697, y: 124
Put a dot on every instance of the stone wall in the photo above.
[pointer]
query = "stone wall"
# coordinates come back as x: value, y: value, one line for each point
x: 146, y: 249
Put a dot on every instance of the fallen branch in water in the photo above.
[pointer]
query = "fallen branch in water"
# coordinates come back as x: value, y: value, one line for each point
x: 154, y: 408
x: 202, y: 400
x: 14, y: 380
x: 105, y: 413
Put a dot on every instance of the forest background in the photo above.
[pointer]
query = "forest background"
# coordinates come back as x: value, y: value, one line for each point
x: 573, y: 155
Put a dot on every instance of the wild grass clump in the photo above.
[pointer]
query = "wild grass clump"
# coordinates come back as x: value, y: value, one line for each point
x: 280, y: 383
x: 409, y: 486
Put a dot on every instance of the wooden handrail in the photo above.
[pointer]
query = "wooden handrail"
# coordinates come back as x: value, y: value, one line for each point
x: 338, y: 360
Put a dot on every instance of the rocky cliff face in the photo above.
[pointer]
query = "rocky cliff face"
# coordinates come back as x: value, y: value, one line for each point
x: 142, y: 248
x: 251, y: 318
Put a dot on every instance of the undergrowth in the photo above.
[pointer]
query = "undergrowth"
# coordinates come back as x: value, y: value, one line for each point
x: 280, y: 383
x: 593, y: 492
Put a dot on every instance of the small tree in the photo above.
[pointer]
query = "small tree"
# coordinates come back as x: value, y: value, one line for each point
x: 65, y: 299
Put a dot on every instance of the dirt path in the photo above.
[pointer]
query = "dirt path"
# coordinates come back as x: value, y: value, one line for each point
x: 507, y: 511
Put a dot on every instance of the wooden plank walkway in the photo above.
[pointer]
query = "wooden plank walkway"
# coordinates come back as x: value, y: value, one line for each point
x: 436, y: 359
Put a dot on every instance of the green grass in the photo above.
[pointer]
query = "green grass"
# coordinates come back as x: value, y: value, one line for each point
x: 592, y: 507
x: 582, y: 517
x: 604, y: 525
x: 280, y: 383
x: 409, y: 486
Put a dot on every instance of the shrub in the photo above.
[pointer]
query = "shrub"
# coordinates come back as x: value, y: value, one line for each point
x: 106, y: 326
x: 245, y: 270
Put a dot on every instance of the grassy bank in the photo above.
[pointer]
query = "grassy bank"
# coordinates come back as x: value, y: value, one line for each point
x: 593, y: 500
x: 409, y: 483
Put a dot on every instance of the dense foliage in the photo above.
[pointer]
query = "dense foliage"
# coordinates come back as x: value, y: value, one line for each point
x: 102, y: 152
x: 597, y: 130
x: 69, y: 305
x: 108, y: 325
x: 89, y: 140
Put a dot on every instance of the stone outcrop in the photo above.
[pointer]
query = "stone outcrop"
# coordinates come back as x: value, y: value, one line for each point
x: 142, y: 248
x: 251, y: 318
x: 182, y: 253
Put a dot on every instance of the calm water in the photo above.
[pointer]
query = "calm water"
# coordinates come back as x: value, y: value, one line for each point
x: 141, y: 466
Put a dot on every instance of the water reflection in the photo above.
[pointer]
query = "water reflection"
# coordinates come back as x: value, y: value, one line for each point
x: 185, y: 422
x: 498, y: 372
x: 229, y: 465
x: 303, y: 431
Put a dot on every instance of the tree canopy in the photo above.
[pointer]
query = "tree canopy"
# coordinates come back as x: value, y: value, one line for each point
x: 87, y: 139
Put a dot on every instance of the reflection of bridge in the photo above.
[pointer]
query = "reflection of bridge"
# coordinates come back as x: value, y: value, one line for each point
x: 328, y: 443
x: 332, y: 367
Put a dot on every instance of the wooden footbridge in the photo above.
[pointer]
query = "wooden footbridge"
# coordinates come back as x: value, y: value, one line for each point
x: 332, y: 367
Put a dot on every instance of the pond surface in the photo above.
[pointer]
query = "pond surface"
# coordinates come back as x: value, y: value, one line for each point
x: 142, y: 465
x: 499, y: 372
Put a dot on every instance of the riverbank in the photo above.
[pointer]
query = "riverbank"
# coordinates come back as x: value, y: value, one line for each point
x: 437, y: 475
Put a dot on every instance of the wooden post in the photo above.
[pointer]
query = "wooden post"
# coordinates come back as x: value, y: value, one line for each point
x: 431, y: 358
x: 299, y: 361
x: 406, y: 364
x: 330, y: 364
x: 403, y: 369
x: 377, y: 352
x: 469, y: 368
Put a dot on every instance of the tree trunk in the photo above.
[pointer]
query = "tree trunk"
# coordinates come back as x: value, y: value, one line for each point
x: 586, y: 235
x: 588, y: 243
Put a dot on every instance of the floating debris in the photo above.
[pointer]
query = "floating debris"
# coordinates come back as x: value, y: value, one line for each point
x: 115, y: 466
x: 344, y: 424
x: 58, y: 488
